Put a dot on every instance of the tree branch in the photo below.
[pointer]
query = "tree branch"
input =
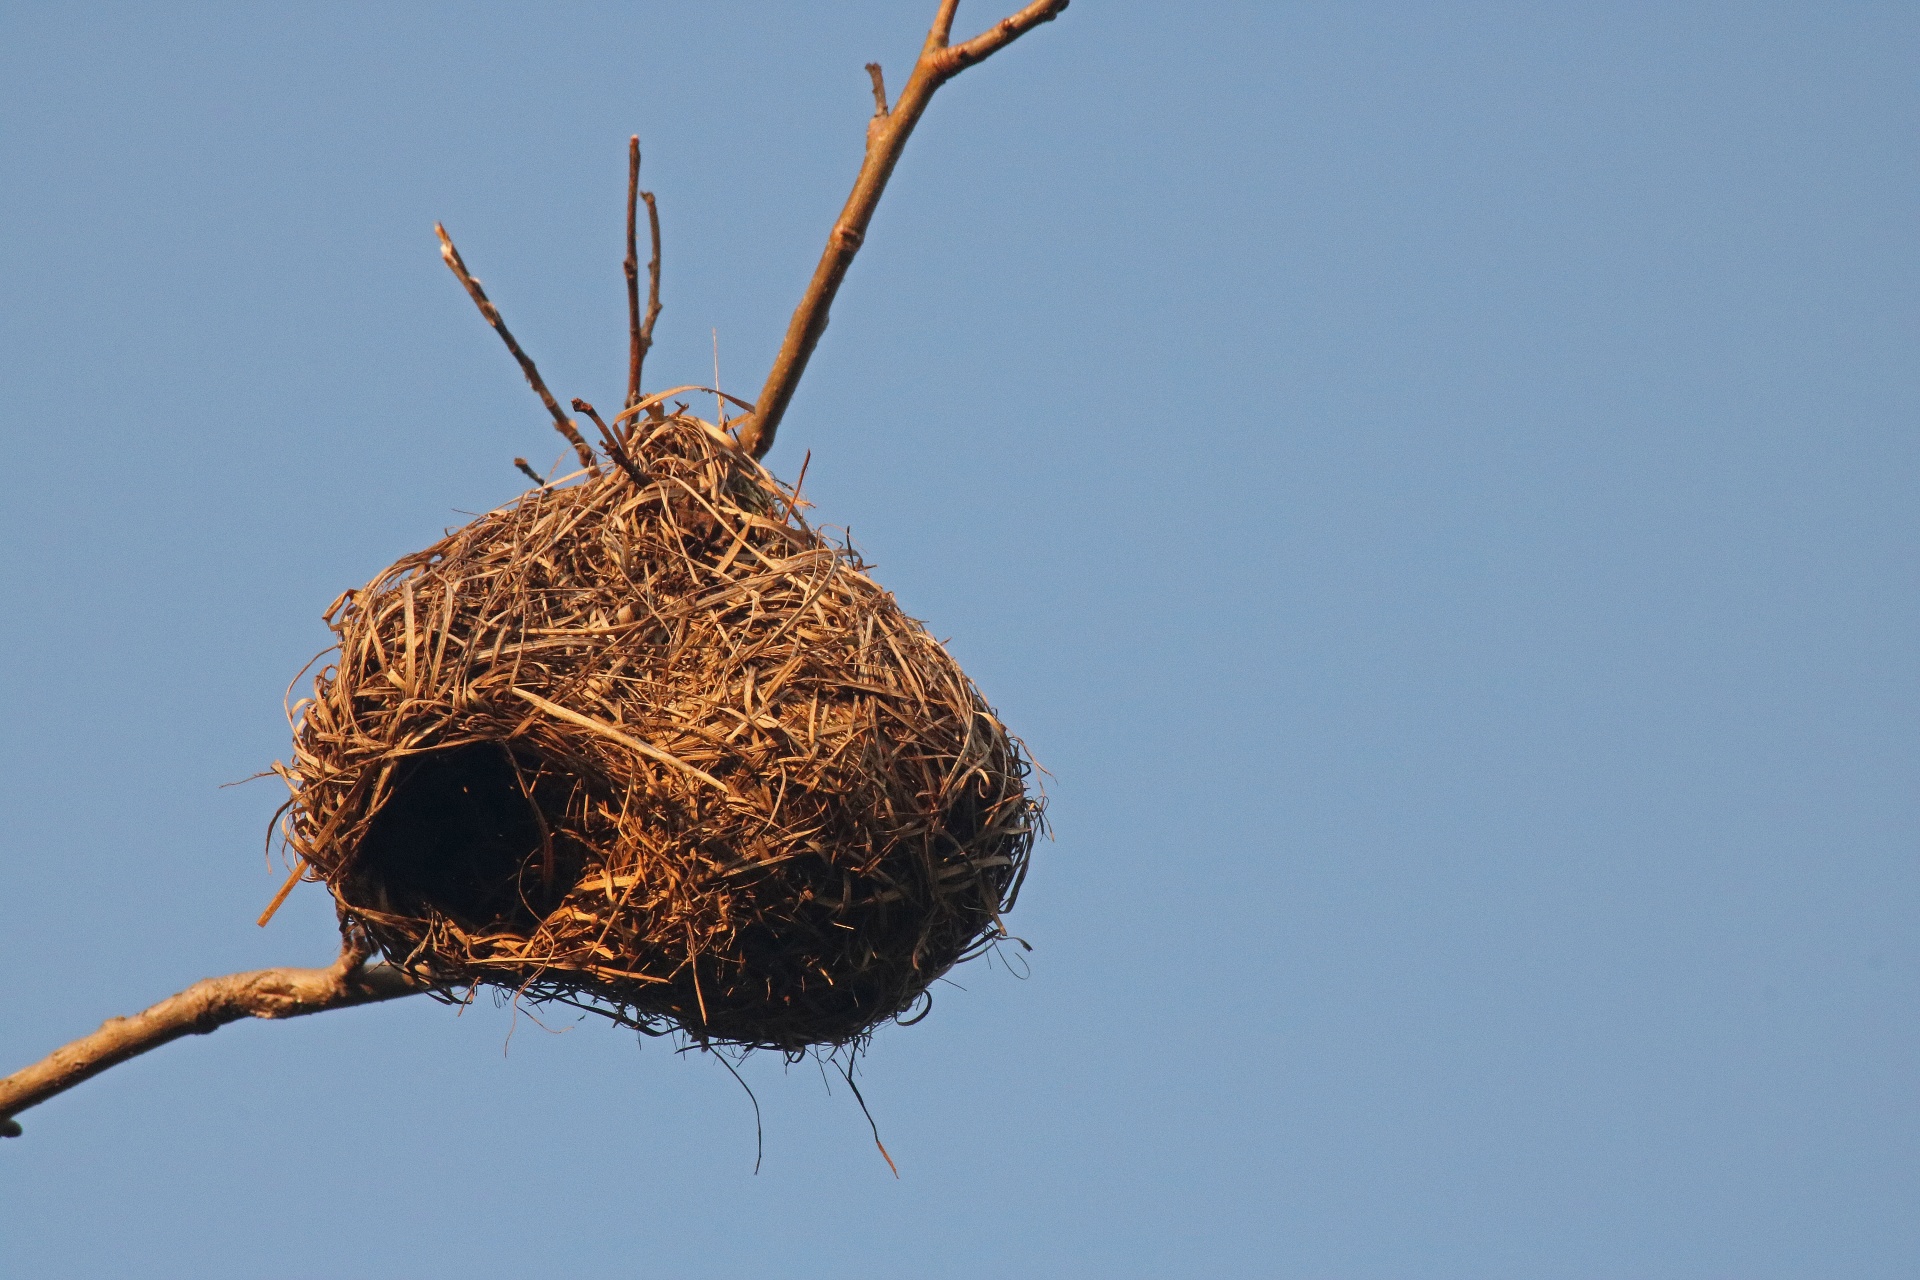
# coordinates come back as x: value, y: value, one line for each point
x: 887, y: 135
x: 635, y: 352
x: 611, y: 443
x: 561, y: 423
x: 653, y: 286
x: 203, y: 1007
x: 639, y: 334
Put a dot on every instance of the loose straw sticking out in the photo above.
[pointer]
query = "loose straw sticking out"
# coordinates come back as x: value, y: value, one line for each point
x: 299, y: 869
x: 561, y: 423
x: 847, y: 1071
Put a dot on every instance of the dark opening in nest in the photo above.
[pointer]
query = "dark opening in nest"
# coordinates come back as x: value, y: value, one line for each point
x: 461, y: 833
x: 650, y: 743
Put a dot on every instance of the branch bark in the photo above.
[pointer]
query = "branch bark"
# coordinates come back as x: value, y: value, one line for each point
x: 205, y: 1006
x: 887, y: 135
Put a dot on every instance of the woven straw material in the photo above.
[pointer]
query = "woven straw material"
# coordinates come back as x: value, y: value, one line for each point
x: 652, y: 745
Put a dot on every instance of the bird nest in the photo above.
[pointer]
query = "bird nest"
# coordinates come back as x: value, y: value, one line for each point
x: 651, y: 744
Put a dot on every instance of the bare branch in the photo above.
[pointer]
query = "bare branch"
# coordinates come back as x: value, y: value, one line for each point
x: 203, y: 1007
x: 942, y: 25
x: 887, y: 135
x: 879, y: 89
x: 636, y: 353
x: 561, y: 423
x: 653, y: 286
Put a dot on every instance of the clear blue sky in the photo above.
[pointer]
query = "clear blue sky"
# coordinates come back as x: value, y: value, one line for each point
x: 1434, y: 483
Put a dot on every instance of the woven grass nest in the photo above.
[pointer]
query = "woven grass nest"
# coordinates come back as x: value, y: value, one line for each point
x: 648, y: 743
x: 644, y: 741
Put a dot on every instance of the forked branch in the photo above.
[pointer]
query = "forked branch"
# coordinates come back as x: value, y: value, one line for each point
x: 561, y: 423
x: 887, y: 135
x: 205, y: 1006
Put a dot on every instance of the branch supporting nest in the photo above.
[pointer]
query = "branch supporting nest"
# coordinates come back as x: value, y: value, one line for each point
x: 887, y: 135
x: 205, y: 1006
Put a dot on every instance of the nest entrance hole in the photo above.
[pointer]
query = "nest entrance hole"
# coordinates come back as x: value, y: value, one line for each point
x: 465, y: 831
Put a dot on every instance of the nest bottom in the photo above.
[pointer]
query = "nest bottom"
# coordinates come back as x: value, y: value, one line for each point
x: 474, y: 842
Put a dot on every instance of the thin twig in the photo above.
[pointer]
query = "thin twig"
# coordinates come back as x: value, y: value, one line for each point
x: 653, y: 285
x: 612, y: 443
x: 527, y: 469
x: 636, y: 353
x: 203, y: 1007
x: 561, y: 423
x: 887, y: 135
x: 794, y: 504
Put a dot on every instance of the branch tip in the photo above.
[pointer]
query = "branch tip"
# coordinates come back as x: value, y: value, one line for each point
x: 942, y: 28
